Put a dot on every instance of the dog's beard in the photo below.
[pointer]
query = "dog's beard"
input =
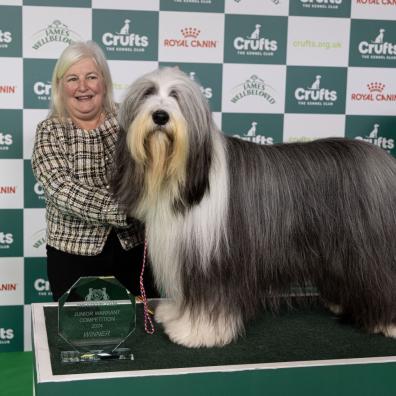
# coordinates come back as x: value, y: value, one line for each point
x: 160, y: 153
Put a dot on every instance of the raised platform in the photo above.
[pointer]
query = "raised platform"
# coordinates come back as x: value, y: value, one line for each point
x: 305, y: 351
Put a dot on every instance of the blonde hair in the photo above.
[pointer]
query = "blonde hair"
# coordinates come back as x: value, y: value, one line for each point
x: 72, y: 54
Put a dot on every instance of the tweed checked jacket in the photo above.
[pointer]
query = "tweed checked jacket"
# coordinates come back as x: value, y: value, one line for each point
x: 72, y: 164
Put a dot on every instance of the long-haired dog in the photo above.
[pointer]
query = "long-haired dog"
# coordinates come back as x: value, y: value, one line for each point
x: 233, y: 226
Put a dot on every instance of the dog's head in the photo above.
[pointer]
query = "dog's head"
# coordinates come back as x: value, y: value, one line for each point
x: 166, y: 147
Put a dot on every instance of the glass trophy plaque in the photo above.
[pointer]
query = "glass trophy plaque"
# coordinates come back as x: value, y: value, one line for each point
x: 95, y: 316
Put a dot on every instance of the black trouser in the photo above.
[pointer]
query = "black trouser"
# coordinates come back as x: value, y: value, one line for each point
x: 64, y: 269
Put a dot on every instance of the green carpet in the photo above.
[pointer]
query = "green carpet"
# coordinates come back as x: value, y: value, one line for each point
x: 16, y: 376
x: 298, y: 335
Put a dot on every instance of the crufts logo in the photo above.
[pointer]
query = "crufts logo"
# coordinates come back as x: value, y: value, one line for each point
x: 5, y: 141
x: 124, y: 40
x: 42, y: 90
x: 375, y: 94
x: 251, y: 135
x: 55, y: 32
x: 42, y: 287
x: 6, y: 335
x: 378, y: 47
x: 255, y: 44
x: 207, y: 92
x: 253, y: 86
x: 315, y: 95
x: 6, y: 239
x: 326, y: 4
x: 190, y: 40
x: 5, y: 39
x: 373, y: 136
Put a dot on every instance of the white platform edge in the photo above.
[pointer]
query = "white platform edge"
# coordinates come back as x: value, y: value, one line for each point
x: 44, y: 370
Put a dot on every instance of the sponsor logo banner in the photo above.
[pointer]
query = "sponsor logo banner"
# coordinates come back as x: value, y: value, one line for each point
x: 379, y: 9
x: 123, y: 73
x: 321, y: 8
x: 11, y: 183
x: 255, y: 39
x: 11, y: 232
x: 187, y: 36
x: 11, y: 281
x: 371, y: 91
x: 11, y: 83
x: 31, y: 117
x: 59, y: 3
x: 378, y: 130
x: 257, y: 7
x: 37, y: 74
x: 152, y: 5
x: 192, y: 5
x: 48, y: 31
x: 253, y: 88
x: 208, y: 76
x: 256, y: 128
x: 10, y: 31
x: 33, y: 190
x: 307, y: 127
x: 325, y: 43
x: 373, y: 43
x: 34, y: 233
x: 10, y: 134
x: 316, y: 90
x: 37, y: 288
x: 11, y: 328
x: 126, y: 35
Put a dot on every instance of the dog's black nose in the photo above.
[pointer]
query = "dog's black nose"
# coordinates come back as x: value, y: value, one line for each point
x: 160, y: 117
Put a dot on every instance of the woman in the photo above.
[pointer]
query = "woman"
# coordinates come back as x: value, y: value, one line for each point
x: 87, y: 232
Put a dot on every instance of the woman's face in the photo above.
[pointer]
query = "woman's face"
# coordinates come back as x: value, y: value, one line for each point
x: 83, y: 89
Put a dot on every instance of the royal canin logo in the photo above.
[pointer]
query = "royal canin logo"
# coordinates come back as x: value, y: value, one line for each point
x: 375, y: 93
x: 190, y: 39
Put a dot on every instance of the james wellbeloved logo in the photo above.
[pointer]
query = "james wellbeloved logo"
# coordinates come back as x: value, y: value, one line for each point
x: 126, y: 35
x: 56, y: 31
x: 315, y: 90
x: 372, y: 43
x: 189, y: 38
x: 253, y: 86
x: 250, y: 39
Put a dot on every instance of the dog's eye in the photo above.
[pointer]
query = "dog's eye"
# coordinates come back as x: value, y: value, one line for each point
x: 148, y: 92
x: 173, y: 94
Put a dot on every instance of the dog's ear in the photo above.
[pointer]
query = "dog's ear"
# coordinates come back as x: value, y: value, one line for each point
x: 198, y: 168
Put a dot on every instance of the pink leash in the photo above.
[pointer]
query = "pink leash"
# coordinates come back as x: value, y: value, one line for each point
x: 148, y: 323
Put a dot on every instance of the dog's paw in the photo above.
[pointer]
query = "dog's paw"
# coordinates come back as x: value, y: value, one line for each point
x: 386, y: 330
x: 202, y: 332
x: 335, y: 308
x: 166, y: 311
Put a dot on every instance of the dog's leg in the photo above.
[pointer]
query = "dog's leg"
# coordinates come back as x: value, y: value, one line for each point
x: 199, y: 329
x: 167, y: 311
x: 386, y: 330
